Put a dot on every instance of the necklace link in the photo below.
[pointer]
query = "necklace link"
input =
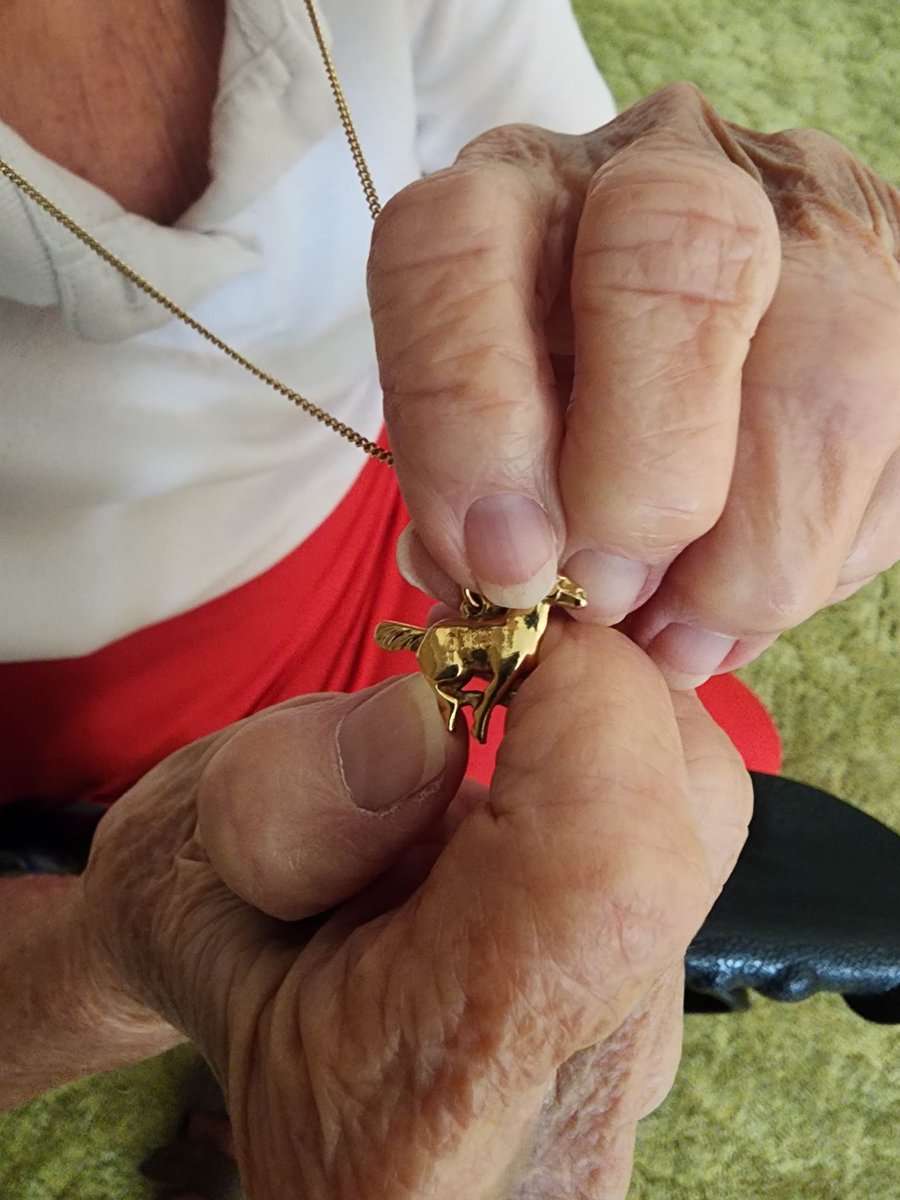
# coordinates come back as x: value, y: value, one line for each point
x: 340, y: 100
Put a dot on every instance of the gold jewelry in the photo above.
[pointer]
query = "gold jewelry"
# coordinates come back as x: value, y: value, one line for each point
x: 499, y: 645
x: 487, y: 642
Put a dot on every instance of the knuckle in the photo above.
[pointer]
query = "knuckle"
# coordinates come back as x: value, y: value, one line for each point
x: 668, y: 241
x: 481, y: 431
x: 515, y: 144
x: 466, y: 202
x: 663, y: 527
x: 815, y: 143
x: 777, y: 599
x: 473, y: 381
x: 680, y: 94
x: 816, y: 184
x: 678, y: 108
x: 674, y: 182
x: 665, y: 487
x: 396, y: 226
x: 684, y: 467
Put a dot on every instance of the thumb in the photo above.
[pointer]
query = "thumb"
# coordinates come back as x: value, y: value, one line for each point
x: 308, y: 802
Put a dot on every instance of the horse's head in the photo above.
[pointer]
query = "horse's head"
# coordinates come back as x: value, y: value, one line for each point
x: 567, y: 593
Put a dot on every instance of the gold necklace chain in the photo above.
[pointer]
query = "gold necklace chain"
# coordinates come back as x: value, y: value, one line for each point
x: 365, y: 178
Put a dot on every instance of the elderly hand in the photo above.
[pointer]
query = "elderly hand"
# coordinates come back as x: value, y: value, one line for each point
x: 664, y: 356
x: 493, y: 1015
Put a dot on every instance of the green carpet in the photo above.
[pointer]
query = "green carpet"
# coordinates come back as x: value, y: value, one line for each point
x: 781, y: 1103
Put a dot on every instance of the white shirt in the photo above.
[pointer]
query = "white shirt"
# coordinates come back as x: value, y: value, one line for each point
x: 141, y: 472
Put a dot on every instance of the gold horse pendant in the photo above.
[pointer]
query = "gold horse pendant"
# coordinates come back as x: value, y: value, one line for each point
x: 498, y: 645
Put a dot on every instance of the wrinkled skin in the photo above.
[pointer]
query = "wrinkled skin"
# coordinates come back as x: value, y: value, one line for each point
x: 676, y: 336
x: 493, y: 1015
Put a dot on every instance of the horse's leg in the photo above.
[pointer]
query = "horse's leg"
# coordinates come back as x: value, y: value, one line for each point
x: 503, y: 679
x: 448, y: 701
x: 441, y: 667
x: 448, y: 687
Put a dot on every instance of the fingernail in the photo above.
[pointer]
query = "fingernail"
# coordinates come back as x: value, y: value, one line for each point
x: 511, y: 549
x: 420, y: 570
x: 405, y: 562
x: 687, y: 656
x: 392, y: 744
x: 612, y: 583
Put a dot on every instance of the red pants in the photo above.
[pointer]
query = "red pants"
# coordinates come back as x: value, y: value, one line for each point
x: 87, y: 728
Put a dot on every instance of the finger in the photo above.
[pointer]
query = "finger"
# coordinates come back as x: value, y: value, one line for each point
x: 585, y: 1139
x: 821, y: 415
x: 676, y: 260
x: 719, y: 790
x: 559, y: 903
x: 455, y: 282
x: 305, y: 804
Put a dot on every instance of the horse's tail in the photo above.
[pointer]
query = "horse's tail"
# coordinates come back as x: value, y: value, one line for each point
x: 393, y: 635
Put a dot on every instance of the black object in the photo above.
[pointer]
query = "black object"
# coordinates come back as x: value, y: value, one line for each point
x: 37, y: 840
x: 813, y: 905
